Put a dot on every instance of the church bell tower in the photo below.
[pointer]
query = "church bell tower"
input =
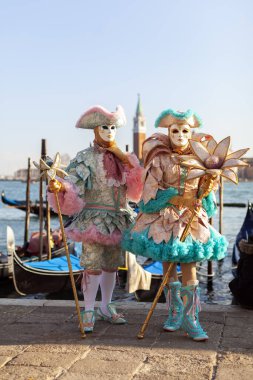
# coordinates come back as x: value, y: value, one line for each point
x: 139, y: 129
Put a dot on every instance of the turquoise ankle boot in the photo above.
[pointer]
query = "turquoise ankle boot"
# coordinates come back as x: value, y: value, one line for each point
x: 88, y: 318
x: 112, y: 317
x: 175, y: 307
x: 192, y: 308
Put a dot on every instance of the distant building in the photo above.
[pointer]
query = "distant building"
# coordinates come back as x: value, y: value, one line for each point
x: 246, y: 173
x: 139, y: 131
x: 21, y: 175
x: 6, y: 177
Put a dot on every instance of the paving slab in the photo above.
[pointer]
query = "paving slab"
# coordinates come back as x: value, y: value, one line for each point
x: 57, y: 348
x: 237, y: 321
x: 42, y: 340
x: 87, y: 376
x: 235, y: 366
x: 11, y: 349
x: 13, y: 372
x: 4, y: 360
x: 236, y: 344
x: 103, y: 366
x: 44, y: 359
x: 172, y: 366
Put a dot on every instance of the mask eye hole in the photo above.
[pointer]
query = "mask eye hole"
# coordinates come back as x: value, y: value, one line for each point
x: 174, y: 131
x: 185, y: 131
x: 104, y: 127
x: 113, y: 127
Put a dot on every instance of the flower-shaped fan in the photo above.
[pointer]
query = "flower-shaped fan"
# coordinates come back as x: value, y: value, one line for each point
x: 215, y: 160
x: 211, y: 162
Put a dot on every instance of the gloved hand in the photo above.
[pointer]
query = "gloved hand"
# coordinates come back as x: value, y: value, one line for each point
x: 55, y: 186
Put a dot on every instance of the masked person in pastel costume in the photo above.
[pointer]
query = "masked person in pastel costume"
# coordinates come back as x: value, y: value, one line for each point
x: 160, y: 223
x: 101, y: 179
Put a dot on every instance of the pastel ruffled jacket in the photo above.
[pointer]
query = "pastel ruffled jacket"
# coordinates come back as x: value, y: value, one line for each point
x: 96, y: 194
x: 160, y: 224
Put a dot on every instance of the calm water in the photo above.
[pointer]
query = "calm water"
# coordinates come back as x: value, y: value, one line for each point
x: 232, y: 221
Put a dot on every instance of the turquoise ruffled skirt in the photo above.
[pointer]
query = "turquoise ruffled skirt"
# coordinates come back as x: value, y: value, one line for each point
x: 176, y: 251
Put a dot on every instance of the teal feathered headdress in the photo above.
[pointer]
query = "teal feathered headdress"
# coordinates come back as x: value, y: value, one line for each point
x: 169, y: 117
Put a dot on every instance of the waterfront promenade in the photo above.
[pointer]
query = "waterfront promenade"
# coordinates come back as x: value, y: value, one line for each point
x: 40, y: 339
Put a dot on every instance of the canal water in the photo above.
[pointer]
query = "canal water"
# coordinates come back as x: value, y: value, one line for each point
x: 232, y: 220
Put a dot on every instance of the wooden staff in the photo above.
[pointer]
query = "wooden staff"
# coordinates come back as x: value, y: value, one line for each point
x: 57, y: 186
x: 206, y: 187
x: 27, y: 211
x: 210, y: 268
x: 158, y: 294
x: 221, y: 206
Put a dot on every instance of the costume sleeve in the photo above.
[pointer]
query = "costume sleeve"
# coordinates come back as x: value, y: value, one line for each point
x: 71, y: 200
x: 155, y: 197
x: 209, y: 204
x: 134, y: 179
x: 152, y: 177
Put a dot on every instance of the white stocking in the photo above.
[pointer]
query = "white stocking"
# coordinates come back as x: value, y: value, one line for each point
x: 90, y: 289
x: 107, y: 285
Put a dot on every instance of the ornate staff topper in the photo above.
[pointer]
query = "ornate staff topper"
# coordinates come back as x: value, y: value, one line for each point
x: 211, y: 162
x: 50, y: 170
x: 214, y: 160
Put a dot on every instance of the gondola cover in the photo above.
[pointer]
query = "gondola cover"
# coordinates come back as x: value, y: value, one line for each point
x: 242, y: 285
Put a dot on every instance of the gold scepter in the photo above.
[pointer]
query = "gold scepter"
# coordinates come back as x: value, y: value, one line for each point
x: 211, y: 162
x: 55, y: 186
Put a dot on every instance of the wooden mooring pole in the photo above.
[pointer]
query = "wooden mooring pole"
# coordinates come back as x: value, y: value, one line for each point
x: 48, y: 227
x: 27, y: 214
x: 41, y: 211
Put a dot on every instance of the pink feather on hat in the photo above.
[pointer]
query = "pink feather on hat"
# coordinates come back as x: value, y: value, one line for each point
x: 98, y: 115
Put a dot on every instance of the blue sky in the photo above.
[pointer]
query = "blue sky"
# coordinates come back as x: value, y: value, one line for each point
x: 60, y: 57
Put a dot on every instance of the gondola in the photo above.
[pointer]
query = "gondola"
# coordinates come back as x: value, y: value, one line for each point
x: 245, y: 232
x: 6, y: 259
x: 242, y: 260
x: 47, y: 276
x: 21, y: 205
x: 5, y: 265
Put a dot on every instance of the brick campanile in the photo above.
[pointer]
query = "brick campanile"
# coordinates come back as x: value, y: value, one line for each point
x: 139, y: 129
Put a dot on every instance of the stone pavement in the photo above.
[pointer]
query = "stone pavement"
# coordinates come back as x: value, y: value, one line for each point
x: 40, y: 339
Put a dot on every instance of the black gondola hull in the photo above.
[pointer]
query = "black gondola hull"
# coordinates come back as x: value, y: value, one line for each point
x: 28, y: 280
x: 21, y: 205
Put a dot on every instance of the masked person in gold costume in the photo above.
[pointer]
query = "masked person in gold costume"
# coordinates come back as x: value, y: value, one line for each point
x: 166, y: 209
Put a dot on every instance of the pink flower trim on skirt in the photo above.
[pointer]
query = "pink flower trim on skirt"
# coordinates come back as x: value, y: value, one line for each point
x: 92, y: 235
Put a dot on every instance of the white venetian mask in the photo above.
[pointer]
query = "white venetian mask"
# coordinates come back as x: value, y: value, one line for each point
x: 107, y: 132
x: 180, y: 134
